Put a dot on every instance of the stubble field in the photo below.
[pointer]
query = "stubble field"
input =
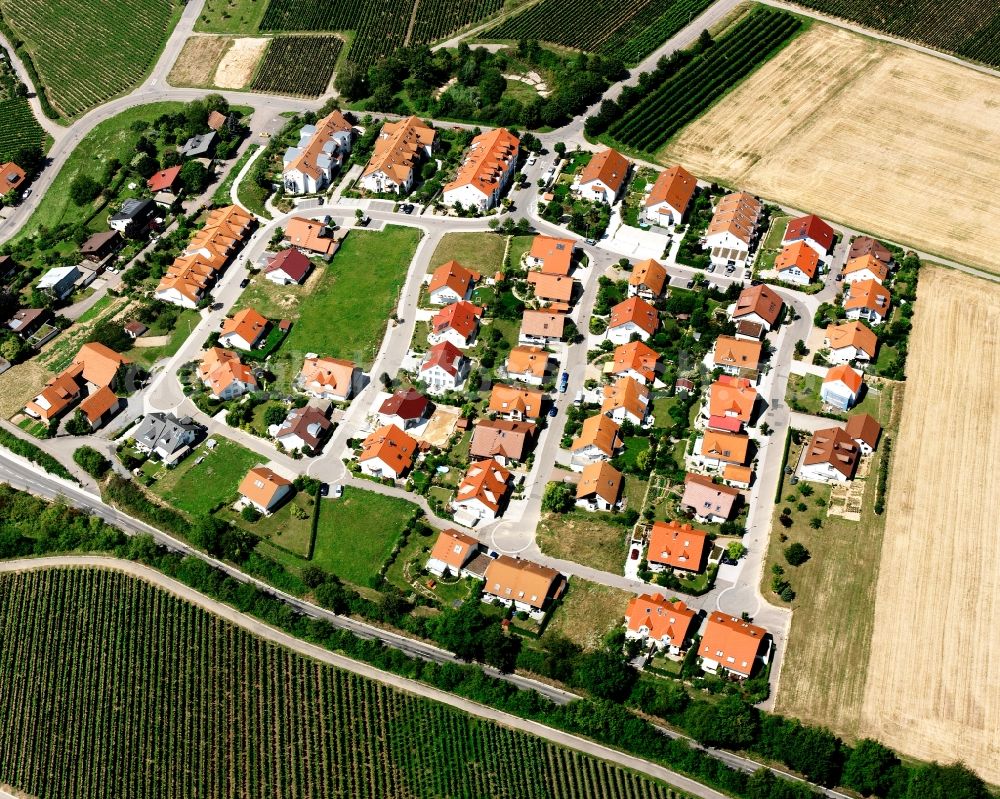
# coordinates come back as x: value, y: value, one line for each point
x: 933, y: 679
x: 875, y: 136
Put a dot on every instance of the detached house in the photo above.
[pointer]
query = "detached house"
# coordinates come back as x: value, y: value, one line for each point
x: 519, y: 583
x: 511, y: 402
x: 866, y: 245
x: 708, y: 501
x: 527, y: 364
x: 485, y: 172
x: 388, y: 452
x: 541, y: 327
x: 734, y: 355
x: 633, y: 316
x: 758, y: 304
x: 133, y: 217
x: 309, y: 167
x: 636, y: 360
x: 225, y: 375
x: 868, y: 300
x: 553, y: 256
x: 663, y: 624
x: 457, y: 323
x: 670, y: 197
x: 243, y: 330
x: 865, y: 267
x: 731, y: 398
x: 604, y: 177
x: 451, y: 553
x: 673, y: 545
x: 482, y: 492
x: 444, y: 368
x: 810, y: 230
x: 288, y: 267
x: 165, y: 185
x: 399, y: 149
x: 797, y: 263
x: 716, y: 448
x: 11, y: 177
x: 552, y: 289
x: 303, y: 428
x: 264, y: 489
x: 648, y: 279
x: 841, y: 387
x: 730, y: 644
x: 100, y: 406
x: 600, y: 487
x: 311, y: 235
x: 406, y: 408
x: 166, y: 436
x: 865, y: 432
x: 503, y: 440
x: 831, y: 456
x: 451, y: 282
x: 333, y: 379
x: 732, y: 230
x: 599, y: 439
x: 850, y: 342
x: 626, y: 400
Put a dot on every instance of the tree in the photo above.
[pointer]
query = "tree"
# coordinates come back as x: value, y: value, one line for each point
x: 274, y: 415
x: 91, y: 461
x: 739, y: 720
x: 736, y: 550
x: 195, y: 177
x: 78, y: 425
x: 250, y: 514
x: 558, y: 497
x: 605, y: 674
x: 796, y: 554
x: 83, y: 189
x: 870, y: 768
x: 956, y: 781
x: 12, y: 347
x: 313, y: 576
x: 112, y: 335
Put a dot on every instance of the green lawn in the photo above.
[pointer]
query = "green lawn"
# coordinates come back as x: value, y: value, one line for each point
x: 198, y: 488
x: 88, y: 51
x: 282, y: 528
x: 345, y: 316
x: 594, y: 539
x: 633, y: 446
x: 771, y: 245
x: 804, y: 389
x: 96, y: 309
x: 635, y: 491
x: 147, y: 356
x: 231, y: 16
x: 480, y: 252
x: 661, y: 411
x: 222, y: 195
x: 113, y: 138
x: 519, y: 245
x: 357, y: 533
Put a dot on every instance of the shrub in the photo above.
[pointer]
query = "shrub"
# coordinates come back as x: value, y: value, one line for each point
x: 92, y: 461
x: 796, y: 554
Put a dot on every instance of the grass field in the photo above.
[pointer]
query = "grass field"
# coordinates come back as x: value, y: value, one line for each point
x: 230, y: 16
x: 345, y: 317
x: 147, y: 356
x: 112, y: 138
x: 821, y: 679
x: 480, y: 252
x: 804, y: 389
x: 198, y: 61
x: 592, y: 539
x: 198, y: 488
x: 222, y: 194
x: 588, y: 612
x: 936, y: 598
x: 160, y: 693
x: 793, y: 133
x: 88, y: 51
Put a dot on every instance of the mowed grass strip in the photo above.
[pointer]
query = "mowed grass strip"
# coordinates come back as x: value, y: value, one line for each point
x: 88, y: 51
x: 591, y: 539
x: 346, y: 316
x: 198, y: 488
x: 480, y: 252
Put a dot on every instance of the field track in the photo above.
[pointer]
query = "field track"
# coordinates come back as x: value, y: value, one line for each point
x: 933, y: 684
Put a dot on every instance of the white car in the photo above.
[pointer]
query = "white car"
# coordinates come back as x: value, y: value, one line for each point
x: 532, y: 158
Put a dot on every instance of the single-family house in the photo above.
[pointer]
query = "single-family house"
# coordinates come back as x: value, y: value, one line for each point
x: 451, y: 282
x: 552, y: 288
x: 552, y: 255
x: 333, y: 379
x: 512, y: 402
x: 55, y: 398
x: 750, y: 331
x: 288, y: 267
x: 841, y: 387
x: 707, y: 500
x: 489, y: 163
x: 60, y: 281
x: 599, y: 439
x: 225, y: 375
x: 387, y: 452
x: 737, y: 476
x: 309, y: 166
x: 659, y: 622
x: 133, y: 216
x: 399, y: 149
x: 166, y: 436
x: 760, y: 304
x: 868, y: 300
x: 444, y: 368
x: 504, y: 440
x: 27, y: 320
x: 865, y: 431
x: 668, y: 200
x: 11, y: 177
x: 200, y: 146
x: 600, y: 487
x: 636, y: 360
x: 676, y: 545
x: 648, y: 279
x: 100, y: 406
x: 101, y: 245
x: 527, y: 364
x: 733, y: 228
x: 541, y: 327
x: 865, y: 267
x: 634, y: 316
x: 481, y: 493
x: 522, y: 584
x: 303, y: 428
x: 797, y: 263
x: 406, y: 408
x: 626, y: 400
x: 165, y: 185
x: 264, y: 489
x: 217, y: 120
x: 831, y: 456
x: 736, y: 356
x: 715, y: 448
x: 811, y: 230
x: 243, y: 330
x: 311, y: 235
x: 451, y: 553
x: 457, y: 323
x: 850, y: 342
x: 604, y: 177
x: 730, y: 644
x: 731, y: 398
x: 866, y: 245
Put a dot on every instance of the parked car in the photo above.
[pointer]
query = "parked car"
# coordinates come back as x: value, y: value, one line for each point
x: 244, y: 282
x: 564, y: 382
x: 215, y: 306
x: 553, y: 411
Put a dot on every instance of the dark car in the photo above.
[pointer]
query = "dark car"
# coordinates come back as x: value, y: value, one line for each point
x: 244, y: 282
x: 553, y: 411
x: 215, y: 306
x: 406, y: 208
x: 324, y: 489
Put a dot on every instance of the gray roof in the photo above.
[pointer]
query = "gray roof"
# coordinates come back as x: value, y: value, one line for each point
x: 134, y: 209
x: 197, y: 145
x: 165, y: 432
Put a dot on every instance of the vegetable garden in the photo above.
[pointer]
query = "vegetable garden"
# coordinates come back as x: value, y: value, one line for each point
x: 165, y: 698
x: 970, y: 28
x: 88, y: 51
x: 298, y: 65
x: 691, y: 90
x: 629, y: 31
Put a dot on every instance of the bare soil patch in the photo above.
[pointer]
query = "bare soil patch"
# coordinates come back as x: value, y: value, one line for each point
x: 198, y: 61
x: 237, y: 66
x: 878, y: 137
x: 933, y: 680
x: 588, y: 612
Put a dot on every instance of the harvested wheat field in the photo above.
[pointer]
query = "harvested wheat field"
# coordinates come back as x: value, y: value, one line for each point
x: 239, y: 63
x: 871, y: 135
x: 199, y: 59
x: 933, y: 685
